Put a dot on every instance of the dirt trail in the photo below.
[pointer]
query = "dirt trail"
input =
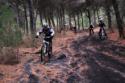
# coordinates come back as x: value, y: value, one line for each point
x: 102, y: 57
x: 77, y: 59
x: 85, y: 60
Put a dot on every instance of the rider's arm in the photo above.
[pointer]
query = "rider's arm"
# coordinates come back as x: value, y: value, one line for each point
x: 39, y: 32
x: 53, y: 32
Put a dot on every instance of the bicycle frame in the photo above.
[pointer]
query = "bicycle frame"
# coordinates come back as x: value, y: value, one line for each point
x: 45, y: 52
x: 45, y: 48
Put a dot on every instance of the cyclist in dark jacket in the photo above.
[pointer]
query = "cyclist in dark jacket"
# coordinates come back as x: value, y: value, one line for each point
x: 48, y: 33
x: 91, y: 31
x: 102, y: 31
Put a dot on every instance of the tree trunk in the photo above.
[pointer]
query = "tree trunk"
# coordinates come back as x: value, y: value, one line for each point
x: 75, y: 21
x: 52, y: 18
x: 35, y: 19
x: 63, y: 18
x: 45, y: 16
x: 57, y: 18
x: 89, y: 16
x: 78, y: 19
x: 49, y: 20
x: 31, y: 13
x: 98, y: 14
x: 94, y: 17
x: 109, y: 18
x: 53, y: 22
x: 18, y: 16
x: 41, y: 19
x: 82, y: 20
x: 118, y: 18
x: 61, y: 21
x: 70, y: 24
x: 26, y: 20
x: 60, y: 24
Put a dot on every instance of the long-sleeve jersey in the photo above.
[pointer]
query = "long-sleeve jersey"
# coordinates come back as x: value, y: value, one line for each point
x: 50, y: 32
x: 101, y: 24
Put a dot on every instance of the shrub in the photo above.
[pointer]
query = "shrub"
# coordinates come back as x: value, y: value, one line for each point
x: 10, y: 35
x: 10, y: 38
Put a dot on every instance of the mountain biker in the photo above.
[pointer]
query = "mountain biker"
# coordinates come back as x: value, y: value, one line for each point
x: 91, y: 31
x: 73, y: 28
x: 48, y: 35
x: 102, y: 30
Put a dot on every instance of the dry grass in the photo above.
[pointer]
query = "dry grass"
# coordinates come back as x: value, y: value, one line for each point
x: 8, y: 56
x: 29, y: 42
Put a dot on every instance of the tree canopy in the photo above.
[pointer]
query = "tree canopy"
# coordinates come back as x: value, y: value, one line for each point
x: 55, y: 12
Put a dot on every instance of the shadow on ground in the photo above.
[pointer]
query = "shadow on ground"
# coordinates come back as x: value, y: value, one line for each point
x: 98, y: 54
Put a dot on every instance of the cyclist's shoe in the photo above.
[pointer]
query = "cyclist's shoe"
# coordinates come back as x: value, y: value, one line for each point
x: 43, y: 62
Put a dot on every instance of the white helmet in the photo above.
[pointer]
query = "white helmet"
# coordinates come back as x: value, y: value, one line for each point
x: 45, y: 23
x: 100, y: 18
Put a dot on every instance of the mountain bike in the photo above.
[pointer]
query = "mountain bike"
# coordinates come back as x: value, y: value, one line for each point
x: 46, y: 52
x: 102, y: 34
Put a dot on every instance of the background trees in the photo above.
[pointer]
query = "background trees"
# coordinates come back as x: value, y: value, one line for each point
x: 30, y: 14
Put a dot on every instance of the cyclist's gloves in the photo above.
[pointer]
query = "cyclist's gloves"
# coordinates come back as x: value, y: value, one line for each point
x: 36, y: 37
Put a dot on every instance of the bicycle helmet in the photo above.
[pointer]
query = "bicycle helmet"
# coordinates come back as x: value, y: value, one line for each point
x: 45, y: 27
x: 100, y: 19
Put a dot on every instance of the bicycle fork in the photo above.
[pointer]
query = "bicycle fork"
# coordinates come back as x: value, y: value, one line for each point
x: 45, y: 52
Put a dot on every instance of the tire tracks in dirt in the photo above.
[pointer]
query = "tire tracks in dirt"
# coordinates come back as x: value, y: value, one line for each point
x: 102, y: 68
x: 28, y: 71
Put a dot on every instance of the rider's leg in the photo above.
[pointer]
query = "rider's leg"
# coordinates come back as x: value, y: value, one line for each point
x: 46, y: 59
x: 105, y: 32
x: 89, y: 32
x: 92, y: 31
x: 50, y: 49
x: 41, y: 56
x: 100, y: 33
